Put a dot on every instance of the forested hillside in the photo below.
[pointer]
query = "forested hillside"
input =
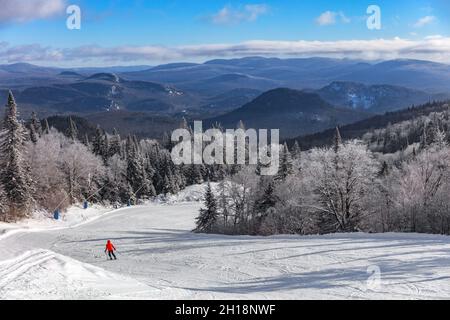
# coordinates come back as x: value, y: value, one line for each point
x: 358, y: 129
x: 44, y: 168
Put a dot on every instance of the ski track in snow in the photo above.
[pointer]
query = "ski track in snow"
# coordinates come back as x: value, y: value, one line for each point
x: 159, y: 258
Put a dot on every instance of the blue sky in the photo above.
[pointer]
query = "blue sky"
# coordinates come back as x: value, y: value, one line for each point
x: 159, y: 31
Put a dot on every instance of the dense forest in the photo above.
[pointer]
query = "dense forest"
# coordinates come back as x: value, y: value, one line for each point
x: 395, y: 178
x: 358, y: 129
x: 43, y: 168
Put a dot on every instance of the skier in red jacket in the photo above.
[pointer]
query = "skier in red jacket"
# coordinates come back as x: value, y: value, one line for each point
x: 110, y: 248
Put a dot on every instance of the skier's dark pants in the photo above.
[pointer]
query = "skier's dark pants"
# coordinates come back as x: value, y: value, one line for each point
x: 113, y: 255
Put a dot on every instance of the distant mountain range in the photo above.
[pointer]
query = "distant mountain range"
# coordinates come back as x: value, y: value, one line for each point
x: 322, y: 92
x: 70, y: 92
x: 299, y: 73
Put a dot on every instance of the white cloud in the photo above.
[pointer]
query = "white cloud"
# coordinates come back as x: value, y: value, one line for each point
x: 27, y: 10
x: 248, y: 13
x: 255, y: 10
x: 425, y: 21
x: 326, y: 18
x: 344, y: 18
x: 330, y: 18
x: 434, y: 48
x: 434, y: 37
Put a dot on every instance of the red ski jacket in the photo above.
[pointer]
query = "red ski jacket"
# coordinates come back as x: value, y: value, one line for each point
x: 110, y: 246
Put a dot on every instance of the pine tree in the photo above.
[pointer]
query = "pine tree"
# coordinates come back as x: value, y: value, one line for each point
x: 260, y: 166
x: 207, y: 219
x: 184, y: 125
x: 46, y: 127
x: 114, y: 143
x: 136, y: 174
x: 194, y: 175
x: 285, y: 167
x: 105, y: 149
x: 167, y: 141
x: 98, y: 146
x: 424, y: 138
x: 168, y: 185
x: 14, y: 174
x: 36, y: 123
x: 131, y: 196
x: 72, y: 132
x: 296, y: 151
x: 87, y: 142
x: 264, y: 204
x: 35, y: 128
x: 337, y: 140
x: 147, y: 189
x: 439, y: 138
x: 268, y: 199
x: 336, y: 147
x: 3, y: 205
x: 136, y: 143
x: 33, y: 134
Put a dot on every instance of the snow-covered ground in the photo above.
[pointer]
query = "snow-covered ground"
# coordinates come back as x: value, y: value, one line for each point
x: 159, y: 258
x: 40, y: 221
x: 193, y: 193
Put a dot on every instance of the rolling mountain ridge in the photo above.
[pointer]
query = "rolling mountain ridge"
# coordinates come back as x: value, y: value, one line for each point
x: 293, y: 112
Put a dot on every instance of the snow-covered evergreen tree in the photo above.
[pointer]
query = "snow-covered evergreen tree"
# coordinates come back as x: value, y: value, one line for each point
x: 36, y: 123
x: 136, y: 174
x: 98, y: 142
x: 296, y: 150
x: 285, y: 167
x: 3, y: 205
x: 207, y: 218
x: 114, y: 143
x: 46, y: 129
x: 35, y: 128
x: 337, y: 140
x: 33, y: 133
x: 14, y: 173
x: 72, y: 132
x: 268, y: 198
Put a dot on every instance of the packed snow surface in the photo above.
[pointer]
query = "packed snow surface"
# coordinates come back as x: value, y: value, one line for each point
x: 159, y: 258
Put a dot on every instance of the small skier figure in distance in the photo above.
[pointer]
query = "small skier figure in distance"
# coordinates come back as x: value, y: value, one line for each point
x: 110, y: 248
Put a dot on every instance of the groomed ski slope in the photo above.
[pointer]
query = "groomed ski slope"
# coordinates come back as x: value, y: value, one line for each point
x: 159, y: 258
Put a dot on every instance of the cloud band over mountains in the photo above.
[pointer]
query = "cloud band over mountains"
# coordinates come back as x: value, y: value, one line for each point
x: 434, y: 48
x: 28, y: 10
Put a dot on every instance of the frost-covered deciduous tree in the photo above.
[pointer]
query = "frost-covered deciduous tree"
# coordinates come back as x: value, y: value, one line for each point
x: 82, y: 171
x: 420, y: 189
x: 242, y: 192
x: 342, y: 178
x: 44, y: 157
